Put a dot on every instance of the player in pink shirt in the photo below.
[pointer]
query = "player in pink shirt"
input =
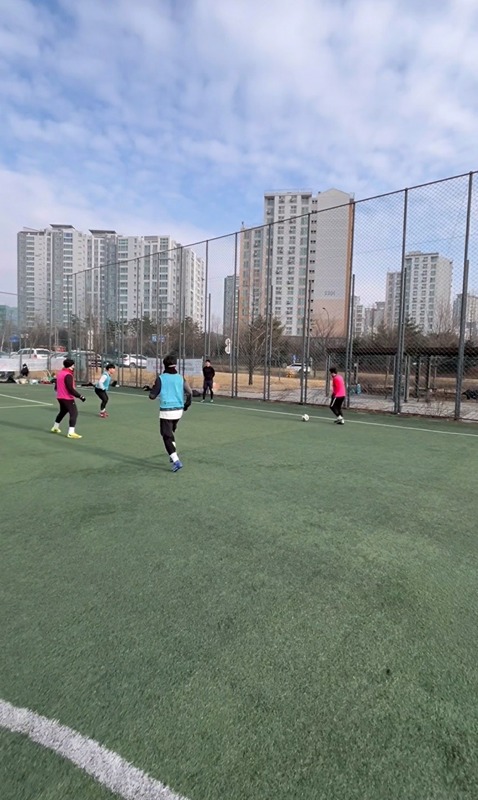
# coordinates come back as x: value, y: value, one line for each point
x: 65, y: 394
x: 338, y: 395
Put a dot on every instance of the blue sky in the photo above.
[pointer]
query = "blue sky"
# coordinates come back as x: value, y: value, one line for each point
x: 174, y: 116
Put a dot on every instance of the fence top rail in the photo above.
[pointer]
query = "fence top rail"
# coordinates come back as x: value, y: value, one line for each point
x: 415, y: 350
x: 244, y: 229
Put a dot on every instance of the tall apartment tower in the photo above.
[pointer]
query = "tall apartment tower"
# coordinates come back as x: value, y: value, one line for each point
x: 306, y: 237
x: 94, y: 290
x: 153, y: 273
x: 471, y: 315
x: 102, y: 275
x: 46, y: 263
x: 147, y: 277
x: 428, y: 278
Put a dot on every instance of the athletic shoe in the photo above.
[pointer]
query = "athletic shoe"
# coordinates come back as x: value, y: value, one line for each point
x: 212, y: 401
x: 102, y: 414
x: 177, y: 465
x: 55, y: 430
x: 73, y: 436
x: 203, y: 401
x: 341, y: 421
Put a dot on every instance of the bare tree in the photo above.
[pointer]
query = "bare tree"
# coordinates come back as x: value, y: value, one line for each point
x: 253, y: 339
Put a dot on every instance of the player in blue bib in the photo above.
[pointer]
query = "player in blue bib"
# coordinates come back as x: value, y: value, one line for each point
x: 102, y: 385
x: 175, y: 396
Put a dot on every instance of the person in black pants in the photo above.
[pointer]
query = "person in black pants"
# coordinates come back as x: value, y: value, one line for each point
x: 101, y: 387
x: 339, y: 393
x: 175, y: 396
x: 66, y: 394
x: 208, y: 372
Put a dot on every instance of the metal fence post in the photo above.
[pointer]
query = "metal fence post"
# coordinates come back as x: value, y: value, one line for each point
x: 306, y: 365
x: 206, y: 286
x: 305, y: 326
x: 268, y: 320
x: 402, y: 315
x: 464, y: 298
x: 350, y: 310
x: 350, y: 336
x: 235, y: 326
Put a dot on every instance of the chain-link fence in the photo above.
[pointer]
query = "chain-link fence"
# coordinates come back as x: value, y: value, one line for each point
x: 384, y: 289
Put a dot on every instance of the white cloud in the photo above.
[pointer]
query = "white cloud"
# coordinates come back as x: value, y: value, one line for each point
x: 143, y: 115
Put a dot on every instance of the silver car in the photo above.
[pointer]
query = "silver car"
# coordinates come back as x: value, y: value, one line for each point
x: 128, y: 360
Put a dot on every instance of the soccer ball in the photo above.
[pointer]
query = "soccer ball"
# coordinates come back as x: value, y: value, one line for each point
x: 305, y: 417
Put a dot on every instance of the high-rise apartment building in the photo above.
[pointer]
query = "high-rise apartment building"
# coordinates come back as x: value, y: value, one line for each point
x: 428, y: 278
x: 306, y: 237
x: 359, y: 319
x: 471, y: 315
x: 367, y: 320
x: 46, y: 262
x: 102, y: 275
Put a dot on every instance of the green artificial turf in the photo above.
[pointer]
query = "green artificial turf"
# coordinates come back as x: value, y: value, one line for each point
x: 291, y: 616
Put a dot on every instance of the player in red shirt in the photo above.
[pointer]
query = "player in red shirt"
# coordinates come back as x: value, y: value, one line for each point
x: 338, y: 395
x: 65, y: 394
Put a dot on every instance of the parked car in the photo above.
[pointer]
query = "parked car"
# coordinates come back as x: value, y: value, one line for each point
x: 471, y: 394
x: 128, y: 360
x: 297, y: 368
x: 31, y: 352
x: 92, y: 359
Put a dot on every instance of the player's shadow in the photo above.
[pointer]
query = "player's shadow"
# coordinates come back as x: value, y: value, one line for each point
x: 20, y: 426
x: 86, y: 447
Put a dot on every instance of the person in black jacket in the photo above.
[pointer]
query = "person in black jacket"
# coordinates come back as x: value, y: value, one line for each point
x: 208, y: 371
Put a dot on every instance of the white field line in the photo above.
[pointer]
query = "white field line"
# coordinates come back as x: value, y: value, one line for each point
x: 2, y: 408
x: 305, y: 409
x: 107, y: 767
x: 349, y: 421
x: 26, y: 400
